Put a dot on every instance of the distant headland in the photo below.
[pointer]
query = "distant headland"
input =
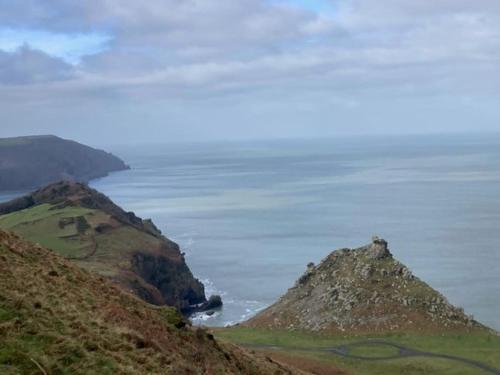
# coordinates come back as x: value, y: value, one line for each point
x: 31, y: 162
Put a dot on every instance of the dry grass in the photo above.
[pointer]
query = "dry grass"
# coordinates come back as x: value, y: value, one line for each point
x: 56, y: 318
x: 102, y: 241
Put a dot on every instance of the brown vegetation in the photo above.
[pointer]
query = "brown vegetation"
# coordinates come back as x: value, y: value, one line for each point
x: 88, y: 228
x: 56, y: 318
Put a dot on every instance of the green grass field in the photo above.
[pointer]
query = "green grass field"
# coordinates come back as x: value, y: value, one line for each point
x: 480, y: 346
x: 40, y: 224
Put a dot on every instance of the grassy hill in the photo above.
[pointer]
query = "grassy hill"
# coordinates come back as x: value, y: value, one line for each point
x: 86, y: 227
x: 31, y: 162
x: 58, y: 319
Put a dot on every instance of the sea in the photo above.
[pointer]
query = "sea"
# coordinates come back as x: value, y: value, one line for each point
x: 251, y: 215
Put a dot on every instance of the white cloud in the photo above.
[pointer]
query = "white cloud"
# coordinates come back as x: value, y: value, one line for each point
x: 190, y: 50
x: 69, y: 47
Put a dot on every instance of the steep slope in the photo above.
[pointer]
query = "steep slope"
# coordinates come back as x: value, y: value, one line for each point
x: 87, y: 227
x: 57, y: 319
x: 364, y: 290
x: 31, y: 162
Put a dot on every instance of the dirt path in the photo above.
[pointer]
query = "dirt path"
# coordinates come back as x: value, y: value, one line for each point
x: 93, y: 250
x: 405, y: 352
x: 402, y: 352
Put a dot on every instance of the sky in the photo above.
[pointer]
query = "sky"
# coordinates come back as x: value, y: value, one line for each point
x: 126, y: 71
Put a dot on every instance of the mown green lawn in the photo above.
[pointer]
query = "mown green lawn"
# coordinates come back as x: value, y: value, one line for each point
x: 481, y: 346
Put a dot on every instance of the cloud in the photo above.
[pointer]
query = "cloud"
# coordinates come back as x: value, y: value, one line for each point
x: 223, y: 42
x: 69, y: 47
x: 27, y: 66
x: 260, y: 54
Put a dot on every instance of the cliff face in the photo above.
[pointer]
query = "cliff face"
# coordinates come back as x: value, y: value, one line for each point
x: 56, y: 318
x: 362, y: 290
x: 166, y: 275
x: 86, y: 227
x: 30, y: 162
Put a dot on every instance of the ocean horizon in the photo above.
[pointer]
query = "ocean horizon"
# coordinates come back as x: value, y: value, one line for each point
x: 251, y: 215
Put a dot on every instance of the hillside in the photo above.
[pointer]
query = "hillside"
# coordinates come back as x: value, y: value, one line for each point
x: 58, y: 319
x: 363, y: 290
x: 31, y: 162
x: 86, y: 227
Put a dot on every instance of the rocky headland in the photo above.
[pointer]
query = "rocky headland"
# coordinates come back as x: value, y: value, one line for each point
x: 87, y: 228
x: 363, y: 290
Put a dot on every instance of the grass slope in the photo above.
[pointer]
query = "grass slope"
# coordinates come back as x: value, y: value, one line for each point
x: 58, y: 319
x: 86, y: 227
x: 71, y: 232
x: 41, y: 224
x: 294, y: 345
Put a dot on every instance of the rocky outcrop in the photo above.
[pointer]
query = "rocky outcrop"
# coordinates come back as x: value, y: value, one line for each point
x: 172, y: 278
x: 31, y: 162
x: 115, y: 243
x: 213, y: 303
x: 362, y: 290
x: 378, y: 249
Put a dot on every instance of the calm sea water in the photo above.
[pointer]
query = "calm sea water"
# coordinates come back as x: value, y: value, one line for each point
x: 250, y: 216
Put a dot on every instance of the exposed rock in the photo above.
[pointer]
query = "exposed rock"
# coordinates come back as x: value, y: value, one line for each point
x: 122, y: 246
x: 171, y: 277
x: 213, y: 303
x: 362, y: 290
x: 378, y: 248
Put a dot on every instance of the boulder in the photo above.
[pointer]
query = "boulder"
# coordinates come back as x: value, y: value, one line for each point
x: 378, y: 248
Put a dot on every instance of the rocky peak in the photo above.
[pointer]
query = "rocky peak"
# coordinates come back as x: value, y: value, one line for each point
x: 363, y: 290
x: 378, y: 248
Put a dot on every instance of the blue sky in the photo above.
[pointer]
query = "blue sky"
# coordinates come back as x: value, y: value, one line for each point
x: 71, y: 47
x: 319, y: 6
x: 68, y: 46
x: 130, y: 70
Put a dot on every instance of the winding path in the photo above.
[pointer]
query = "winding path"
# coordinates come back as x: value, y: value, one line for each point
x: 402, y: 352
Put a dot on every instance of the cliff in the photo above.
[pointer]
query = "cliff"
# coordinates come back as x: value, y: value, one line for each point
x: 362, y: 290
x: 86, y: 227
x: 56, y: 318
x: 31, y: 162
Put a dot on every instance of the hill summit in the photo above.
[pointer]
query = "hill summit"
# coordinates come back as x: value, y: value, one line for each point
x: 86, y: 227
x: 364, y: 290
x: 30, y: 162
